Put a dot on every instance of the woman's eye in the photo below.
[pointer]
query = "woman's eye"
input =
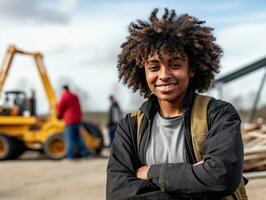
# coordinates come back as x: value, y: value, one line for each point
x: 153, y: 68
x: 175, y: 66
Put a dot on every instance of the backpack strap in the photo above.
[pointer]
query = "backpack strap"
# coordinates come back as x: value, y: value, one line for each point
x: 199, y: 125
x: 199, y: 131
x: 140, y: 116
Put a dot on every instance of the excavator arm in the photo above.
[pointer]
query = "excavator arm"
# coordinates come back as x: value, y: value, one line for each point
x: 38, y: 58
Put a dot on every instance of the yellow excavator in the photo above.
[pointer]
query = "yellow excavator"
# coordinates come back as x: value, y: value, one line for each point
x: 21, y: 129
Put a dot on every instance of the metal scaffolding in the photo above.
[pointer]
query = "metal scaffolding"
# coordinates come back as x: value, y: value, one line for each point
x: 242, y: 72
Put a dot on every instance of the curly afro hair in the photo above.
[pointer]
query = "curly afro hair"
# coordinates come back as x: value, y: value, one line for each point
x: 175, y: 34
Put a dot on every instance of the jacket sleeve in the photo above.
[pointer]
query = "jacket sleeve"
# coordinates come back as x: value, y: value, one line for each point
x: 122, y: 182
x: 221, y: 171
x: 61, y: 107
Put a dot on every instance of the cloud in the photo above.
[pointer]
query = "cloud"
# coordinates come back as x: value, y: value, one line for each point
x: 34, y: 11
x: 84, y: 45
x: 68, y: 6
x: 242, y: 44
x: 232, y: 19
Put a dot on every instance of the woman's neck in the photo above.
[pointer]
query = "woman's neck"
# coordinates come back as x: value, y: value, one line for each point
x: 170, y: 109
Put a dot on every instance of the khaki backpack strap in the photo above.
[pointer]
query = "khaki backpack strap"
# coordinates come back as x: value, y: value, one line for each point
x: 199, y: 125
x: 199, y: 131
x: 240, y: 192
x: 140, y: 120
x: 140, y: 116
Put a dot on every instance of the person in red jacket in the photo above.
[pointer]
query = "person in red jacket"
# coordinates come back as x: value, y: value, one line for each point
x: 69, y: 109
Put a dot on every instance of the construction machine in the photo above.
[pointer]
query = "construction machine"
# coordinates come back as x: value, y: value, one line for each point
x: 21, y: 129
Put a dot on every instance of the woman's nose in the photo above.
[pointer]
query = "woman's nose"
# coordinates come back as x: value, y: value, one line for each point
x: 165, y: 74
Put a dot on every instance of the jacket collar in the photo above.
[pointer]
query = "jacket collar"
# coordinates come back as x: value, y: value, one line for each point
x: 151, y: 106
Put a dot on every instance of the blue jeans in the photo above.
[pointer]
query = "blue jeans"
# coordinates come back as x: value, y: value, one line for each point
x: 112, y: 129
x: 74, y: 142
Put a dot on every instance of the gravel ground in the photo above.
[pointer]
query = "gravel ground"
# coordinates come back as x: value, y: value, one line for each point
x: 33, y: 177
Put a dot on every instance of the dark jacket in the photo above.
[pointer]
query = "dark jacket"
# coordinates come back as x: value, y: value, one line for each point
x: 218, y: 176
x: 69, y: 109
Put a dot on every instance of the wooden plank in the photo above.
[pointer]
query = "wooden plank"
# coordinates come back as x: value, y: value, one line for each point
x: 257, y: 134
x: 252, y: 175
x: 252, y: 143
x: 254, y: 150
x: 255, y: 165
x: 254, y: 156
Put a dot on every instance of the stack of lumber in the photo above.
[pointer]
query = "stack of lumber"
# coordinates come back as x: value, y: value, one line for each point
x: 254, y: 148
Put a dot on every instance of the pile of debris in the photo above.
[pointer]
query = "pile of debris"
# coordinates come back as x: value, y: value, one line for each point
x: 254, y: 138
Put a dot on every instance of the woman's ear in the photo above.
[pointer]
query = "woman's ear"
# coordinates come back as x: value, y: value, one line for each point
x: 143, y: 63
x: 191, y: 72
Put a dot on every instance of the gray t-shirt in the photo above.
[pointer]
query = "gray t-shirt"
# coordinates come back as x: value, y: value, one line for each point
x: 167, y: 142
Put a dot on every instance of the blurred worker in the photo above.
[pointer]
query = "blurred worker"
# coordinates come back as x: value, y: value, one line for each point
x: 19, y: 103
x: 69, y: 109
x: 114, y: 115
x: 33, y: 103
x: 30, y: 105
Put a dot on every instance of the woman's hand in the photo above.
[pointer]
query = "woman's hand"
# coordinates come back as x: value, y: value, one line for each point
x: 142, y: 172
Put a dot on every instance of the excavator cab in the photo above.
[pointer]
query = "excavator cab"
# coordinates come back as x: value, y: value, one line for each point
x: 16, y: 103
x: 21, y: 129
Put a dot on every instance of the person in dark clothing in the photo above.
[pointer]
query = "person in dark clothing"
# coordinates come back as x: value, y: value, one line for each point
x: 168, y: 60
x: 69, y: 109
x: 114, y: 115
x: 32, y: 102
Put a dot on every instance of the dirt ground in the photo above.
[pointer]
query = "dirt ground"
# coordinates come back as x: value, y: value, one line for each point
x: 35, y: 178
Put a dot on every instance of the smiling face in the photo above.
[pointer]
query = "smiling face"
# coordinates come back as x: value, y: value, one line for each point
x: 168, y: 76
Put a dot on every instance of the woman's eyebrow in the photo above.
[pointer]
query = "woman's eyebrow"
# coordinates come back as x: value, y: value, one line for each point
x: 153, y: 60
x: 177, y: 58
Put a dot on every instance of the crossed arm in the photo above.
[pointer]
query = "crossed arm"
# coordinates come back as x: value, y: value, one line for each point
x: 142, y: 172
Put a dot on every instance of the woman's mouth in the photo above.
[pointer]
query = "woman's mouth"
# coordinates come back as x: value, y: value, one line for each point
x: 166, y: 87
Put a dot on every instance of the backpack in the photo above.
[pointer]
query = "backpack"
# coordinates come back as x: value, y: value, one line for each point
x: 199, y: 130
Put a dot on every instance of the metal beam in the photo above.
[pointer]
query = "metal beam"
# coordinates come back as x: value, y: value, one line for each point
x: 255, y: 104
x: 241, y: 72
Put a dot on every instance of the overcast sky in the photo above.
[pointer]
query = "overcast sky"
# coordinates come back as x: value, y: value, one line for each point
x: 80, y: 41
